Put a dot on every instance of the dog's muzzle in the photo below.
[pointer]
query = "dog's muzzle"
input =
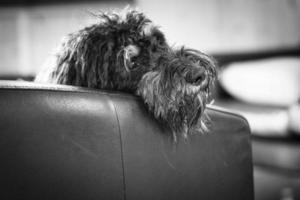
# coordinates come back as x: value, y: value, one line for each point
x: 197, y: 77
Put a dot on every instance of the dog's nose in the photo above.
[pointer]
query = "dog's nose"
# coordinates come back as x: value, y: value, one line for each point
x: 197, y: 77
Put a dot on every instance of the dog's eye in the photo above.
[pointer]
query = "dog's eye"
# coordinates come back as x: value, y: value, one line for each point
x: 133, y: 65
x: 154, y: 48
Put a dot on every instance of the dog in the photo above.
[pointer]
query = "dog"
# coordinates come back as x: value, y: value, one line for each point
x: 126, y: 52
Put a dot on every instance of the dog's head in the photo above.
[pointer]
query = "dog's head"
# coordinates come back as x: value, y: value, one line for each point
x: 181, y: 88
x: 113, y: 54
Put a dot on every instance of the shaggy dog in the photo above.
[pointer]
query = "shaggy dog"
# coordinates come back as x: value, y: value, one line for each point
x: 126, y: 52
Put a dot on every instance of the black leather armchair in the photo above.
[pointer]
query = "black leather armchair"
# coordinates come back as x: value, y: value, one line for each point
x: 63, y: 142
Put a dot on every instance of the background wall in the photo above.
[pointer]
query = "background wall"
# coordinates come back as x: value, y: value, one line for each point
x: 28, y: 34
x: 228, y: 25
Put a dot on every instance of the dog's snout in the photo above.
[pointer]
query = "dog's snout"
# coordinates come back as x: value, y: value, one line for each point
x: 197, y: 77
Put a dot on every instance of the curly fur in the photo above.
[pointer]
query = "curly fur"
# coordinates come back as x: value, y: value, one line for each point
x: 171, y: 96
x: 128, y: 53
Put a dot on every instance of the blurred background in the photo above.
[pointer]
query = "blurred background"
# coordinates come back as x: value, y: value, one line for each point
x: 256, y: 43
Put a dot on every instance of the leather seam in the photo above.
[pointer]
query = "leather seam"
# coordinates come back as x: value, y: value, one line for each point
x: 121, y: 146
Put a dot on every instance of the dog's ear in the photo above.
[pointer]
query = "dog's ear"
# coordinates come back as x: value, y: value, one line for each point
x: 128, y: 53
x: 150, y: 30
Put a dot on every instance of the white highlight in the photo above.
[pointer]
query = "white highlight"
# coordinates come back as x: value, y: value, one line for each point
x: 130, y: 51
x: 193, y: 89
x: 147, y: 29
x: 269, y: 81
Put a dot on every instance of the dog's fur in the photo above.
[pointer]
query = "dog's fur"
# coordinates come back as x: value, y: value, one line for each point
x: 126, y: 52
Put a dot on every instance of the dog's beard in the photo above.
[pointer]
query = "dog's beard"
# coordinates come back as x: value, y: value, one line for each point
x: 181, y: 106
x: 189, y: 105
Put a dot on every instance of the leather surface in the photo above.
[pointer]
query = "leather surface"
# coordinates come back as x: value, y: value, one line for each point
x: 272, y: 142
x: 60, y: 142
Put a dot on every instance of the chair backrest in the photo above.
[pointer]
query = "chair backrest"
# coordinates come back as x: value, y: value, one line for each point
x: 63, y: 142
